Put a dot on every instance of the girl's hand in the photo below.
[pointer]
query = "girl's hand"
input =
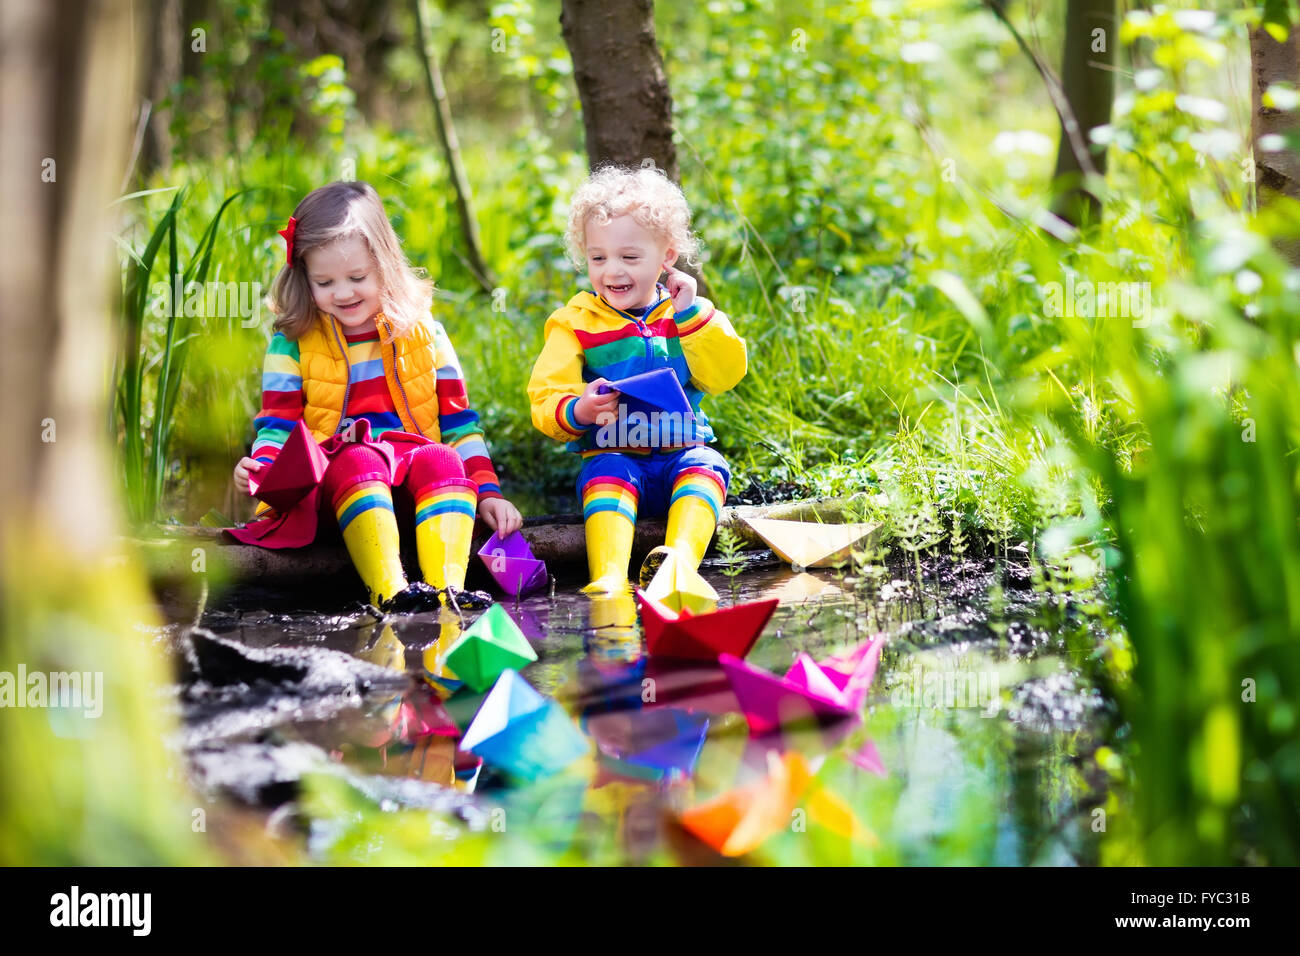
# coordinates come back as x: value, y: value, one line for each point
x: 681, y: 287
x: 246, y: 467
x: 591, y: 407
x: 501, y: 516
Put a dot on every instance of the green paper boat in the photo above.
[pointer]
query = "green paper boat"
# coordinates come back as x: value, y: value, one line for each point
x: 492, y: 644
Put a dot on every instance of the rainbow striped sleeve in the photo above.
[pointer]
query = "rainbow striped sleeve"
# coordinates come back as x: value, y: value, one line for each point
x: 458, y: 422
x: 281, y: 398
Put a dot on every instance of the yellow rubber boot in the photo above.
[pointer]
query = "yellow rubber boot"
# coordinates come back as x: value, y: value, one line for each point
x: 444, y: 525
x: 365, y: 514
x: 692, y: 519
x: 609, y: 549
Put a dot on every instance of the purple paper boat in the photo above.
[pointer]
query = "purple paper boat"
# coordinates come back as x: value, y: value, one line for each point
x: 809, y: 691
x: 657, y: 391
x: 512, y: 564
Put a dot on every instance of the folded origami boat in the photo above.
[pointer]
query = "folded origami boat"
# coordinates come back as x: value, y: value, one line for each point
x: 657, y: 391
x: 807, y: 544
x: 512, y: 564
x: 702, y: 637
x: 492, y: 644
x: 741, y: 820
x: 297, y: 469
x: 822, y: 692
x: 679, y: 587
x: 522, y: 732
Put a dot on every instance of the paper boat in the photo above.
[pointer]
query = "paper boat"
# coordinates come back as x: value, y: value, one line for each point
x: 657, y: 391
x: 739, y: 821
x: 512, y: 564
x: 297, y: 469
x: 809, y: 692
x: 679, y: 587
x: 492, y: 644
x: 702, y: 637
x: 523, y: 733
x: 807, y: 544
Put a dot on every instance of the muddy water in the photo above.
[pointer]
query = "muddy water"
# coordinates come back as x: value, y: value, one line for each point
x: 976, y: 745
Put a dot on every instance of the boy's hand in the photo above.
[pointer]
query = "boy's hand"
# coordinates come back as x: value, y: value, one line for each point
x: 501, y: 516
x: 591, y: 408
x: 681, y: 287
x: 246, y: 467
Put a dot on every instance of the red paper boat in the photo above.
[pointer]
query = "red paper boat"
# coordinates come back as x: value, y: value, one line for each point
x: 296, y: 470
x: 702, y: 637
x: 809, y: 692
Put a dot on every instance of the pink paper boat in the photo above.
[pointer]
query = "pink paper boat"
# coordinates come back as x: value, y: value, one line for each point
x: 809, y: 692
x: 297, y: 469
x: 512, y: 564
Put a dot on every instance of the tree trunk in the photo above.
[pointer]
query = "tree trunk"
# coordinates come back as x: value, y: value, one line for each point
x: 451, y: 148
x: 1277, y: 172
x: 627, y: 110
x: 74, y: 788
x: 1088, y: 84
x: 167, y: 33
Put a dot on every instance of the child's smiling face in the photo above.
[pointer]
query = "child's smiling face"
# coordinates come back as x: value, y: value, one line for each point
x: 625, y: 260
x: 345, y: 282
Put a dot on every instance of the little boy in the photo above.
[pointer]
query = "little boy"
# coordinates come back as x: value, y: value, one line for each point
x: 626, y: 227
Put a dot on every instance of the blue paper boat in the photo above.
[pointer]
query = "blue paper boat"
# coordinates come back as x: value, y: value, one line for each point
x: 522, y: 732
x: 657, y: 391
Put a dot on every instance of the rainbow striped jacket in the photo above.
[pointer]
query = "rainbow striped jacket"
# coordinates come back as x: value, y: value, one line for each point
x: 589, y: 339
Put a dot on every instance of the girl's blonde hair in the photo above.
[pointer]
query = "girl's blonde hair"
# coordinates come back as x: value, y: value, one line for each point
x: 339, y: 211
x: 646, y: 194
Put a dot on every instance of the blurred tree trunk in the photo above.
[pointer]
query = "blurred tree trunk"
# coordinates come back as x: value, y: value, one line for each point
x: 627, y: 110
x: 362, y: 32
x: 74, y: 788
x: 451, y: 148
x: 167, y: 33
x: 1277, y: 172
x: 1088, y: 85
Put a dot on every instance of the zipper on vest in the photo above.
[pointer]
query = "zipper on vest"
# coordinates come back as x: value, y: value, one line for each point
x: 409, y: 414
x: 343, y: 413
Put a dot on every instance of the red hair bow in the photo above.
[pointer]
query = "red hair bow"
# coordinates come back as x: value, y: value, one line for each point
x: 288, y: 239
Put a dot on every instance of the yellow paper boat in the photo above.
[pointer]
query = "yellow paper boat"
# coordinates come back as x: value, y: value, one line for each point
x: 679, y: 587
x: 807, y: 544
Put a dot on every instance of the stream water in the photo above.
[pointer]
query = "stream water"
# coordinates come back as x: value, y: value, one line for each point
x: 976, y: 745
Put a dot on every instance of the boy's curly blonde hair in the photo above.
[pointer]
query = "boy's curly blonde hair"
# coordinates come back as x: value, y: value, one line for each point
x: 646, y: 194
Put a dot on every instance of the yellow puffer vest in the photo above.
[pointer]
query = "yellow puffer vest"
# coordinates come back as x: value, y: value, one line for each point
x: 410, y: 367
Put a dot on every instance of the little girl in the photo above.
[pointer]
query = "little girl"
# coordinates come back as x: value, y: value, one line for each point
x: 358, y: 359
